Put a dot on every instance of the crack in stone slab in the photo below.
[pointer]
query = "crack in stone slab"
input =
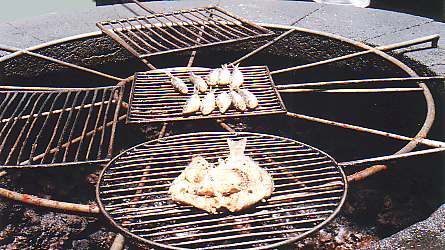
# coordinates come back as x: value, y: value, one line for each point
x: 305, y: 16
x: 25, y: 32
x: 399, y: 30
x: 438, y: 64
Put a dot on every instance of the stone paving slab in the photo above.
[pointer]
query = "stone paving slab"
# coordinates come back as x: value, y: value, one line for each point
x: 358, y: 23
x: 427, y: 234
x: 13, y: 36
x: 421, y: 53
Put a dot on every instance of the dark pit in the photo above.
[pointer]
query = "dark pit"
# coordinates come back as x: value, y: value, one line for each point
x: 375, y: 208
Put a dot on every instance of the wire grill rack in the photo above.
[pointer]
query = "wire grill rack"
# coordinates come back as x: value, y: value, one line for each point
x: 153, y: 99
x: 53, y: 126
x: 132, y: 193
x: 161, y: 33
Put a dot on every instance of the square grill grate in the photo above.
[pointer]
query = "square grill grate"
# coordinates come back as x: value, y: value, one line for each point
x: 161, y: 33
x: 52, y: 126
x: 153, y: 99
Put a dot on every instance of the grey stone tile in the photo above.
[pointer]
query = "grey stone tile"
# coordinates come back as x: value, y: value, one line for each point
x: 16, y: 37
x: 423, y: 52
x: 358, y: 23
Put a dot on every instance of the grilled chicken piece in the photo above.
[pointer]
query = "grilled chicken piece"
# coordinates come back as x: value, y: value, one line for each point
x: 236, y: 183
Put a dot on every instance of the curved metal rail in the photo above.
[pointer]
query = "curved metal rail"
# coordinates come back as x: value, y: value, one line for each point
x: 132, y: 193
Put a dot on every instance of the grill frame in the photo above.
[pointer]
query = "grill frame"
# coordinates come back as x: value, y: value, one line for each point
x: 106, y: 101
x: 426, y: 90
x: 227, y: 134
x: 270, y: 90
x: 114, y: 33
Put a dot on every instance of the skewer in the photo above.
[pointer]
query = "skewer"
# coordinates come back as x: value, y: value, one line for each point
x: 118, y: 243
x: 361, y: 175
x: 391, y: 157
x: 276, y: 39
x: 193, y: 54
x: 33, y: 200
x: 428, y: 142
x: 36, y: 201
x: 358, y: 81
x: 66, y: 64
x: 382, y: 90
x: 432, y: 38
x: 225, y: 126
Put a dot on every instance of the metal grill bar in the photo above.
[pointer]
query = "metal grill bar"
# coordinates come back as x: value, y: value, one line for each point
x: 169, y: 168
x: 14, y: 122
x: 67, y: 124
x: 305, y: 165
x: 309, y: 189
x: 34, y: 120
x: 49, y: 125
x: 194, y: 215
x: 276, y: 192
x: 215, y: 225
x: 70, y: 137
x: 153, y: 99
x: 95, y: 126
x: 359, y: 81
x: 278, y: 202
x: 355, y: 91
x: 181, y: 30
x: 167, y: 185
x: 281, y: 185
x: 174, y: 172
x: 240, y: 236
x: 215, y: 158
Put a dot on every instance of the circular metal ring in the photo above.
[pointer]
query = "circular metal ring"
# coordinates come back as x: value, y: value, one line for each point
x: 132, y: 193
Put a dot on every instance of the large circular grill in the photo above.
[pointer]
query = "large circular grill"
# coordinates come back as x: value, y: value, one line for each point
x: 133, y: 193
x: 311, y: 187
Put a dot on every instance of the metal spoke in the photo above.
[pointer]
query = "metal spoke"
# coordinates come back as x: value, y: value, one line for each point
x: 193, y: 54
x: 262, y: 47
x: 71, y: 65
x: 358, y: 81
x: 428, y: 142
x: 391, y: 157
x: 371, y: 50
x: 382, y: 90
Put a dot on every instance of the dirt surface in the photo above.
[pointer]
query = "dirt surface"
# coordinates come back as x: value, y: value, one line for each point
x: 29, y: 227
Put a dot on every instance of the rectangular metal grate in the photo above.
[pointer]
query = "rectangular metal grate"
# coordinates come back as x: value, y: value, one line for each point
x: 153, y: 99
x: 53, y: 126
x: 156, y: 34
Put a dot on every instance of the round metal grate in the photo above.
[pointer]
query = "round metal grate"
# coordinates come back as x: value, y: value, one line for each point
x: 132, y: 193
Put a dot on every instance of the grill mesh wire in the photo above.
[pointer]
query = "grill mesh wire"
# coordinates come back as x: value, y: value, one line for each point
x: 132, y: 192
x: 153, y: 99
x: 57, y: 126
x: 181, y: 30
